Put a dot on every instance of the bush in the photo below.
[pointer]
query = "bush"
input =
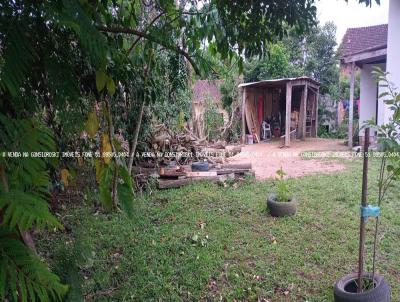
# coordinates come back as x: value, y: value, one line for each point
x: 213, y: 121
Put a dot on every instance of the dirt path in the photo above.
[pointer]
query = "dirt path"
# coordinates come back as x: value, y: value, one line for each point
x: 267, y: 158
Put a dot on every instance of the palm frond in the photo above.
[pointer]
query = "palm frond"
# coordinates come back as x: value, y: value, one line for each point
x: 18, y: 55
x: 74, y: 17
x: 25, y: 210
x: 23, y: 276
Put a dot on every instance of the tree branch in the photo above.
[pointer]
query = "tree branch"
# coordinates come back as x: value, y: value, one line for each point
x: 150, y: 24
x: 130, y: 31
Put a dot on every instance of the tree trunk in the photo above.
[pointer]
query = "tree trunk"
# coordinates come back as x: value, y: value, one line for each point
x: 135, y: 138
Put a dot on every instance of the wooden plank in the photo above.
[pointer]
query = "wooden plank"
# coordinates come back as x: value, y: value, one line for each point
x: 366, y: 55
x: 288, y: 112
x: 201, y: 173
x: 316, y: 113
x: 236, y: 166
x: 303, y: 112
x: 304, y: 82
x: 177, y: 183
x: 234, y: 171
x: 244, y: 115
x: 350, y: 129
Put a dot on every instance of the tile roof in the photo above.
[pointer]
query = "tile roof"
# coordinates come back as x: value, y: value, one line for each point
x: 359, y: 39
x: 205, y: 89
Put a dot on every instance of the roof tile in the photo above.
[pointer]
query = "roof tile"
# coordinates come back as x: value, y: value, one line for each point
x: 358, y: 39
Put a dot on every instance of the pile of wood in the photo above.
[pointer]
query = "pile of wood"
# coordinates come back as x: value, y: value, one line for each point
x: 175, y: 178
x: 183, y: 147
x: 175, y: 153
x: 182, y: 175
x: 181, y: 143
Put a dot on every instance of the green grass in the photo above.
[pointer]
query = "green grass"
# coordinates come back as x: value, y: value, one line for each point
x: 207, y: 242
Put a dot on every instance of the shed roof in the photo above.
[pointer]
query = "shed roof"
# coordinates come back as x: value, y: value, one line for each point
x: 360, y: 39
x: 278, y: 82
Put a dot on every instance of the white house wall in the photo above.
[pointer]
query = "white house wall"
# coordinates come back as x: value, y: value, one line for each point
x: 393, y: 49
x: 368, y: 95
x: 383, y: 111
x: 368, y: 91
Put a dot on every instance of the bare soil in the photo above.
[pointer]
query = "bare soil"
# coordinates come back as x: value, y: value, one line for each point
x: 267, y: 157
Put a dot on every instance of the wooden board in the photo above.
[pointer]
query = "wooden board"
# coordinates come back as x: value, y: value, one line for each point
x: 201, y: 173
x: 236, y: 166
x: 234, y: 171
x: 177, y: 183
x: 171, y: 173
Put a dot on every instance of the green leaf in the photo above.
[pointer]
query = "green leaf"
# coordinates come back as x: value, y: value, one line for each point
x: 92, y: 124
x: 3, y: 276
x: 26, y: 273
x: 101, y: 80
x: 383, y: 94
x: 74, y: 16
x: 123, y: 171
x: 17, y: 56
x: 25, y: 210
x: 105, y: 186
x: 396, y: 115
x: 125, y: 198
x: 110, y: 86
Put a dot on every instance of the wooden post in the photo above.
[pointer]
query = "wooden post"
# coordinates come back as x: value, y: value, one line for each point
x: 316, y: 112
x: 364, y: 203
x: 288, y: 113
x: 351, y: 102
x: 244, y: 115
x: 303, y: 112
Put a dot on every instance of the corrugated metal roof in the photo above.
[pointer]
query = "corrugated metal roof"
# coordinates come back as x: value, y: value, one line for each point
x: 276, y: 82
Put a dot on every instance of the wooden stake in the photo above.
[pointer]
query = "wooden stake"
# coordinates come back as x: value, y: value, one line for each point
x: 351, y: 102
x: 316, y: 113
x: 303, y: 112
x: 244, y: 115
x: 364, y: 203
x: 288, y: 113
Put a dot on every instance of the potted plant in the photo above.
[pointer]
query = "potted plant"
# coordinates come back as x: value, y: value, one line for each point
x: 371, y: 286
x: 281, y: 203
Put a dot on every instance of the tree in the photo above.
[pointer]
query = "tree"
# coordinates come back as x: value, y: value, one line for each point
x: 321, y: 61
x: 312, y: 54
x: 63, y: 60
x: 109, y: 52
x: 275, y: 65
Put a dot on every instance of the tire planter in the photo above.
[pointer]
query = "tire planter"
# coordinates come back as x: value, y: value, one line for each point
x: 280, y: 209
x: 200, y: 166
x: 345, y: 289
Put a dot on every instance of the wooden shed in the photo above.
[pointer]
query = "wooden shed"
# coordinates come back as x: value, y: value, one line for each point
x: 288, y: 105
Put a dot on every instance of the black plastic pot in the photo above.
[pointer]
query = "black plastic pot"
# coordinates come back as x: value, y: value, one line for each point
x: 345, y: 289
x: 280, y: 209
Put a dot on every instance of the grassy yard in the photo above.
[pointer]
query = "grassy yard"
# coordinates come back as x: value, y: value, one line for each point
x: 209, y: 242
